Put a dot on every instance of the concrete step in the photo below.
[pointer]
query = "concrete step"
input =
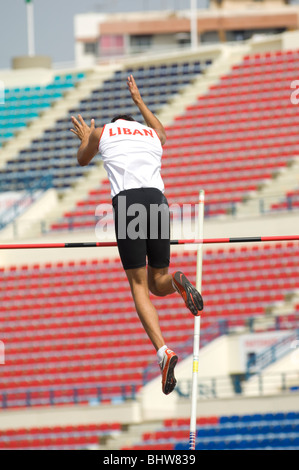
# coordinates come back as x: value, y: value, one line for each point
x: 80, y: 191
x: 130, y: 437
x: 285, y: 308
x: 200, y: 86
x: 271, y: 191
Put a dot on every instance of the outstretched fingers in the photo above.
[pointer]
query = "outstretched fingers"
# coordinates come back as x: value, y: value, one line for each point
x: 81, y: 120
x: 131, y: 82
x: 75, y: 123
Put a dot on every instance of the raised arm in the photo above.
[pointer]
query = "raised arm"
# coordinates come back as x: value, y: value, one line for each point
x: 150, y: 119
x: 89, y: 137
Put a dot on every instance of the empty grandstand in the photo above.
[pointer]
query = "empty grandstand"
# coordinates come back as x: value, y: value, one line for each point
x: 72, y: 375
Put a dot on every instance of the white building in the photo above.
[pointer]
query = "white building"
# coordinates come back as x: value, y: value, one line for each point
x: 100, y: 37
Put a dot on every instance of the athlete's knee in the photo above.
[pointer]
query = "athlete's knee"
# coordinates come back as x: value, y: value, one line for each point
x: 153, y: 285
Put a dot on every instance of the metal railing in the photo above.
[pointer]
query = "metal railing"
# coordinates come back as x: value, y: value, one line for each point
x: 32, y: 193
x: 74, y: 395
x: 213, y: 387
x: 271, y: 354
x: 223, y: 387
x: 69, y: 224
x: 274, y: 204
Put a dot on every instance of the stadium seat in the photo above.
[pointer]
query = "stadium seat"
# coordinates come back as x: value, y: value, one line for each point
x: 229, y: 152
x: 55, y: 150
x: 24, y: 104
x: 227, y: 434
x: 43, y: 302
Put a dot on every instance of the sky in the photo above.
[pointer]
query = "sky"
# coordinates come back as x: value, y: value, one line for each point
x: 54, y: 23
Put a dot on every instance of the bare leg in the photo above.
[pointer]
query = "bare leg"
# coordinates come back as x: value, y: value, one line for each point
x: 148, y: 315
x: 146, y: 311
x: 160, y: 282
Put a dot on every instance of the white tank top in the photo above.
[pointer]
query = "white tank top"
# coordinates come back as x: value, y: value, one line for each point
x: 131, y: 153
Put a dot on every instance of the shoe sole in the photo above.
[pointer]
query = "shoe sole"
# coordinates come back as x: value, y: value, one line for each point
x: 193, y: 300
x: 170, y: 381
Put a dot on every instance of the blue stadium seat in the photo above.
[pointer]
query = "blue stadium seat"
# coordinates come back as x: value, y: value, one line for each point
x: 224, y: 419
x: 232, y: 445
x: 251, y: 432
x: 253, y: 444
x: 182, y: 446
x: 220, y: 445
x: 257, y: 417
x: 31, y: 101
x: 245, y: 418
x: 243, y: 444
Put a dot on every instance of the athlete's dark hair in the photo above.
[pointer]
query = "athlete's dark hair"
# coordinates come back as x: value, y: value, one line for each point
x: 126, y: 117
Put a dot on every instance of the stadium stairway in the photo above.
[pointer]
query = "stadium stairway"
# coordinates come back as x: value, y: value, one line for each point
x: 285, y: 365
x: 131, y: 435
x: 283, y: 313
x: 227, y: 57
x: 66, y: 203
x: 289, y: 201
x: 271, y: 192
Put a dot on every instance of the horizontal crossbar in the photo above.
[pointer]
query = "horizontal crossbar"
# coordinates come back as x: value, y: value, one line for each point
x: 204, y: 241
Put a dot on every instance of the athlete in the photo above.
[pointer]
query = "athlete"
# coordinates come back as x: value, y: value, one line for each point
x: 131, y: 153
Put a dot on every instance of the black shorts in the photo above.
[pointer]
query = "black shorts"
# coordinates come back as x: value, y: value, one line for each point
x: 142, y: 226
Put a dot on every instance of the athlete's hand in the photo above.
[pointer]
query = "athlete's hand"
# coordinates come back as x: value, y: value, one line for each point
x: 134, y: 90
x: 82, y: 130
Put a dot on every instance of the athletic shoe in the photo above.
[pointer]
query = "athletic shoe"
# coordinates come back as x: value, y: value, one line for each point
x: 167, y: 366
x: 191, y: 296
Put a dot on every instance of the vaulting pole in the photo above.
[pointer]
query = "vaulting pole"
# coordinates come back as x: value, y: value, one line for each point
x: 196, y: 335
